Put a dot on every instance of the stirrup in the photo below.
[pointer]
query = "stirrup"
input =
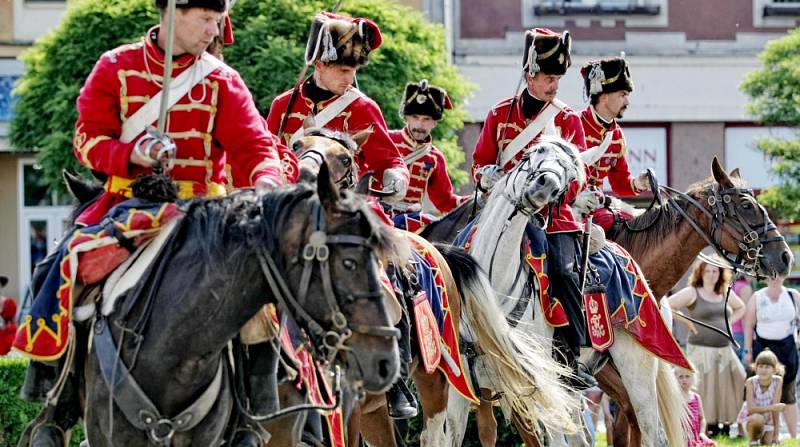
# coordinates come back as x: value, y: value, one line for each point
x: 48, y: 424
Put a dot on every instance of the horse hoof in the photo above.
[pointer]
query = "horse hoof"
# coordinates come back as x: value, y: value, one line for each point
x: 47, y: 436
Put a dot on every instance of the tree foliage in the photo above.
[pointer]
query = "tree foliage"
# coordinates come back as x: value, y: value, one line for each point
x: 775, y: 101
x: 268, y: 52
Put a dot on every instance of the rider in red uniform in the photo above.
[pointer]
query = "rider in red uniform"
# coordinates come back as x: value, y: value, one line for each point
x: 214, y: 124
x: 330, y: 97
x: 500, y: 147
x: 8, y: 323
x: 608, y: 83
x: 422, y: 107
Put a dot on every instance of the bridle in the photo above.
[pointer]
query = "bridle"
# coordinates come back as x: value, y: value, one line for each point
x: 724, y: 219
x: 568, y: 170
x: 326, y: 343
x: 348, y: 178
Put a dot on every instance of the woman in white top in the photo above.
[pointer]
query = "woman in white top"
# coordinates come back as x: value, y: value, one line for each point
x: 770, y: 321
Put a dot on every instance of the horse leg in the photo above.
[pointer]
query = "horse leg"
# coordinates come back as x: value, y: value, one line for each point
x: 610, y: 381
x: 354, y: 427
x: 377, y: 427
x: 456, y: 421
x: 287, y: 430
x: 487, y: 424
x: 637, y: 368
x: 432, y: 389
x: 530, y: 439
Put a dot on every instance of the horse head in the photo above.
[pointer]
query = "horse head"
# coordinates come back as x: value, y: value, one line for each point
x: 332, y: 257
x: 740, y: 227
x: 544, y: 175
x: 336, y: 149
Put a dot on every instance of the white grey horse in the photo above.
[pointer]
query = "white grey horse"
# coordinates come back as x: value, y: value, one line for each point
x: 540, y: 179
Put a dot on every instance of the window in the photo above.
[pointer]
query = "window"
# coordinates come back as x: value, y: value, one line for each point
x: 596, y: 7
x: 782, y: 8
x: 43, y: 218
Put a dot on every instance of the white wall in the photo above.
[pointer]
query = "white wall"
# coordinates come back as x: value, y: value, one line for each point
x: 34, y: 19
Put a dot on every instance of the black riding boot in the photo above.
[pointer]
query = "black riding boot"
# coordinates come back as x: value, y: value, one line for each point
x: 262, y: 378
x: 261, y: 375
x: 49, y: 430
x: 580, y: 378
x: 399, y: 398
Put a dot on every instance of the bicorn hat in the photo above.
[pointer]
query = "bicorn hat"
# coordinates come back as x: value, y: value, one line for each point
x: 607, y: 76
x: 421, y: 98
x: 337, y: 39
x: 547, y: 51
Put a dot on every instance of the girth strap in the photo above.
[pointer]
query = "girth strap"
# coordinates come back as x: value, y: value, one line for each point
x: 138, y: 409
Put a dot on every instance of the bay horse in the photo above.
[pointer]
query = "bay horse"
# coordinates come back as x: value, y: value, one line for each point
x: 309, y: 249
x: 719, y: 212
x: 522, y: 370
x: 540, y: 179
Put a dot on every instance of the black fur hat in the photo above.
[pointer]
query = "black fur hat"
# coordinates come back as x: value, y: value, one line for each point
x: 607, y: 76
x: 214, y: 5
x: 424, y: 99
x: 337, y: 39
x: 550, y: 51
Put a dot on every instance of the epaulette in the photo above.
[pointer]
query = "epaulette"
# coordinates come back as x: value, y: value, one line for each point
x: 113, y: 54
x: 504, y: 103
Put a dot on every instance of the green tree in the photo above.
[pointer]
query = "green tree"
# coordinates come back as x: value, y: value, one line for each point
x: 268, y: 52
x: 775, y: 101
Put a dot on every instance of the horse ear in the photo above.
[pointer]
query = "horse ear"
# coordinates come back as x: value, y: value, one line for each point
x: 363, y: 183
x: 310, y: 122
x: 80, y: 189
x: 735, y: 174
x: 719, y: 174
x: 361, y: 137
x: 326, y: 189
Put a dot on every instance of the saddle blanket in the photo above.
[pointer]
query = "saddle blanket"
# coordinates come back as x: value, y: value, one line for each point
x: 433, y: 284
x: 620, y: 296
x: 413, y: 221
x: 86, y: 256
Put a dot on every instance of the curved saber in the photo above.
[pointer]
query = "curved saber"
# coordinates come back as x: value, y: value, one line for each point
x: 162, y: 113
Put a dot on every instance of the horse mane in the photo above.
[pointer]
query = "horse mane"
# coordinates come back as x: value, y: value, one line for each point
x: 662, y: 221
x: 243, y: 221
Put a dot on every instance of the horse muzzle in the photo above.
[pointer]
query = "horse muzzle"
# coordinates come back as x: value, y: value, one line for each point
x: 377, y: 368
x: 776, y: 261
x: 543, y: 190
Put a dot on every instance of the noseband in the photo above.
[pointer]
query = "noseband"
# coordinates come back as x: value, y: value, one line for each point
x: 326, y: 343
x: 724, y: 219
x: 517, y: 198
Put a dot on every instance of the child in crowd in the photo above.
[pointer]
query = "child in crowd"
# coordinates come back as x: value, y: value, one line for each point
x: 762, y: 409
x: 697, y: 437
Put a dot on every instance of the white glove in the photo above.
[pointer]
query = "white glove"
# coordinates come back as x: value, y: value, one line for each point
x: 395, y: 179
x: 587, y: 202
x: 490, y: 174
x: 597, y: 239
x: 642, y: 183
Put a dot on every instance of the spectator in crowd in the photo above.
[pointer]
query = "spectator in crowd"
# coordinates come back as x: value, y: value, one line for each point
x: 720, y: 374
x: 696, y: 436
x: 771, y: 322
x: 8, y: 326
x: 761, y: 410
x: 742, y: 288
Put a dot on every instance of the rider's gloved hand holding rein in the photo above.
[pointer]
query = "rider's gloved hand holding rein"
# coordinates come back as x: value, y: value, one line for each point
x: 489, y: 175
x: 642, y: 183
x: 395, y: 180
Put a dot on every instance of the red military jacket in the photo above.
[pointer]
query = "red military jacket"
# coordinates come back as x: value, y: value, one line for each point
x: 613, y: 164
x: 491, y: 138
x: 377, y: 154
x: 216, y: 124
x: 428, y: 172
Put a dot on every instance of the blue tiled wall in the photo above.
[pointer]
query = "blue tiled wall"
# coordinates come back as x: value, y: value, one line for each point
x: 6, y: 100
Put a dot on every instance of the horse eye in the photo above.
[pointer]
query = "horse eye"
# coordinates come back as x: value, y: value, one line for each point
x: 297, y: 145
x: 747, y: 205
x: 349, y: 264
x: 346, y: 161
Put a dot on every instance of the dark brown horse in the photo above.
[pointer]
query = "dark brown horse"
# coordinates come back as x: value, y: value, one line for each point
x: 309, y: 249
x: 719, y: 211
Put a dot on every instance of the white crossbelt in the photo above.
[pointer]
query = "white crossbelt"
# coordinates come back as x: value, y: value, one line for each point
x: 531, y: 131
x: 180, y: 86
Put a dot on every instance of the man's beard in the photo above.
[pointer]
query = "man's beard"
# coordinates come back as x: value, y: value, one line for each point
x: 420, y: 134
x: 621, y: 112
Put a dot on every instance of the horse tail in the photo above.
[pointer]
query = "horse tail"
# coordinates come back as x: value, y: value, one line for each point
x: 671, y: 406
x: 520, y: 367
